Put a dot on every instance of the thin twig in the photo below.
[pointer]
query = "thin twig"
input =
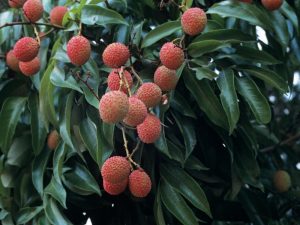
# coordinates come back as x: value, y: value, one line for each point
x: 36, y: 34
x: 31, y: 23
x: 126, y: 149
x: 123, y: 80
x: 107, y: 4
x: 136, y: 148
x: 136, y: 75
x: 87, y: 84
x: 282, y: 143
x: 47, y: 33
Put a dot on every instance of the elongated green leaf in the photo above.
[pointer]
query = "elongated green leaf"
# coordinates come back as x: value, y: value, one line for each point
x: 199, y: 48
x: 204, y: 72
x: 93, y: 14
x: 158, y: 212
x: 81, y: 181
x: 257, y: 102
x: 53, y: 212
x: 176, y: 205
x: 288, y: 11
x: 57, y: 191
x: 160, y: 32
x: 269, y: 76
x: 58, y: 159
x: 9, y: 117
x: 186, y: 185
x: 229, y: 98
x: 38, y: 129
x: 206, y: 99
x: 181, y: 105
x: 19, y: 152
x: 27, y: 214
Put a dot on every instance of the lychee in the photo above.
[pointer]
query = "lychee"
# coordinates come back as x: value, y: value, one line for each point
x: 193, y: 21
x: 165, y: 78
x: 30, y: 68
x: 16, y: 3
x: 137, y: 112
x: 53, y: 140
x: 149, y: 131
x: 282, y: 181
x: 272, y: 4
x: 57, y: 15
x: 78, y: 50
x: 115, y: 169
x: 33, y: 10
x: 115, y: 55
x: 113, y: 80
x: 150, y: 94
x: 12, y: 61
x: 115, y: 189
x: 26, y: 49
x: 139, y: 183
x: 113, y: 106
x: 171, y: 56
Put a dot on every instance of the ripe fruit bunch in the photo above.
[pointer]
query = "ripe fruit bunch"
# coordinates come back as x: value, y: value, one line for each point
x: 117, y: 175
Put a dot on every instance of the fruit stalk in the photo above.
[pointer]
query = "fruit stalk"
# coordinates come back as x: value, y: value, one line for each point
x: 30, y: 23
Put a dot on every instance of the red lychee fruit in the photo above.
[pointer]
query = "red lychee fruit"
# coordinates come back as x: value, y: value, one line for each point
x: 30, y: 68
x: 12, y: 61
x: 78, y: 50
x: 53, y: 139
x: 113, y: 106
x: 137, y: 112
x: 33, y: 10
x: 139, y: 183
x: 16, y: 3
x: 171, y: 56
x: 165, y: 78
x: 57, y: 14
x: 193, y: 21
x: 115, y: 170
x: 113, y: 80
x: 115, y: 55
x: 272, y: 4
x: 26, y: 49
x: 282, y: 181
x: 149, y: 131
x: 115, y: 189
x: 150, y: 94
x: 246, y: 1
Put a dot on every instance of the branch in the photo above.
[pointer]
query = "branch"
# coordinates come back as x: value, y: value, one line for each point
x: 87, y: 84
x: 30, y: 23
x: 126, y: 149
x: 282, y: 143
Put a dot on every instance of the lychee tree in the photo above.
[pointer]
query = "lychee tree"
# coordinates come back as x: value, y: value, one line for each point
x: 149, y: 112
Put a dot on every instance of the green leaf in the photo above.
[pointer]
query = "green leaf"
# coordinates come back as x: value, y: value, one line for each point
x: 158, y: 212
x: 27, y: 214
x: 93, y: 14
x: 38, y: 169
x: 269, y: 76
x: 80, y: 181
x: 38, y: 129
x: 186, y: 185
x: 53, y: 212
x: 57, y: 191
x: 176, y: 205
x: 58, y: 159
x: 289, y: 12
x: 199, y: 48
x: 5, y: 17
x: 160, y: 32
x: 206, y: 99
x: 179, y: 103
x: 229, y: 98
x: 256, y: 100
x: 204, y: 72
x: 19, y: 152
x: 9, y: 117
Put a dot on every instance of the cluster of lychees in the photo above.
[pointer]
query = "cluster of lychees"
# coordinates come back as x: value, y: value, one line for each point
x: 24, y: 57
x: 270, y: 5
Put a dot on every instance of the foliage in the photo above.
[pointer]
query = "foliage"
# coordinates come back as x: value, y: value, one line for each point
x: 232, y: 121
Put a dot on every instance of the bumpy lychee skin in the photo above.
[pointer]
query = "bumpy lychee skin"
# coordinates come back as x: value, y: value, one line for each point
x: 137, y: 112
x: 12, y: 61
x: 115, y: 189
x: 78, y: 50
x: 149, y: 131
x: 115, y: 55
x: 115, y: 170
x: 30, y: 68
x: 165, y: 78
x: 33, y: 10
x: 57, y: 15
x: 282, y: 181
x: 53, y: 140
x: 113, y: 106
x: 171, y: 56
x: 272, y: 5
x: 150, y: 94
x: 26, y: 49
x: 193, y: 21
x: 16, y: 3
x: 113, y: 80
x: 139, y: 183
